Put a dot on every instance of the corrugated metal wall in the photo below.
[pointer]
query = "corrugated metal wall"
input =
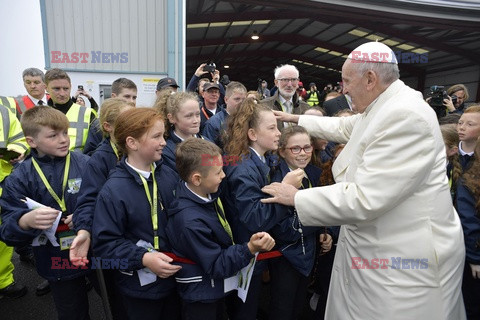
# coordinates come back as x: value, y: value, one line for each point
x: 106, y: 35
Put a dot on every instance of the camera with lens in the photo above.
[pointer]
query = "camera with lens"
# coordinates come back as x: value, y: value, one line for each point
x: 210, y: 67
x: 438, y: 94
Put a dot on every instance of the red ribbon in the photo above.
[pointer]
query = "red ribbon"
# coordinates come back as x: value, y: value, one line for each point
x: 261, y: 256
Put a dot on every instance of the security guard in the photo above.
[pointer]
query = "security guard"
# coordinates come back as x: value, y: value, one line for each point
x: 59, y: 86
x: 313, y: 95
x: 9, y: 103
x: 34, y: 83
x: 13, y: 140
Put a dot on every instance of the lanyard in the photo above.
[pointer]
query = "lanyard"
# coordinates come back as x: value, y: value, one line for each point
x: 61, y: 202
x: 309, y: 183
x: 153, y: 205
x: 114, y: 148
x: 220, y: 212
x: 205, y: 113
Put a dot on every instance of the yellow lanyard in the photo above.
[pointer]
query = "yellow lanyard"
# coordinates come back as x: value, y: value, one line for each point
x: 114, y: 147
x: 153, y: 205
x: 61, y: 202
x: 309, y: 183
x: 220, y: 212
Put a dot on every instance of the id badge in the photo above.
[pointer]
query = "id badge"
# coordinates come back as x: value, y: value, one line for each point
x: 66, y: 239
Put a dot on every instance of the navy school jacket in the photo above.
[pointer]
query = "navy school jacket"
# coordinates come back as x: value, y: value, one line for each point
x: 94, y: 137
x: 241, y: 199
x: 287, y: 239
x: 25, y: 182
x: 102, y: 161
x: 168, y: 154
x: 204, y: 240
x: 123, y: 216
x: 470, y: 223
x: 215, y: 126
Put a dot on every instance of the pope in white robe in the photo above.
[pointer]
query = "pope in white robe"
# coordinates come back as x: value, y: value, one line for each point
x: 400, y: 253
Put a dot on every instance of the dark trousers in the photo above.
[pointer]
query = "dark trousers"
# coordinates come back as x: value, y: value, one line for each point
x: 471, y: 293
x: 322, y: 275
x: 236, y: 309
x: 114, y: 299
x: 288, y: 290
x: 71, y: 299
x: 144, y: 309
x: 24, y: 250
x: 203, y: 310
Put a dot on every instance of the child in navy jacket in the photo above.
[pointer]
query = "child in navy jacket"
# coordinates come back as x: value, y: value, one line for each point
x: 130, y: 218
x: 205, y: 236
x: 182, y: 114
x: 251, y: 135
x: 103, y: 160
x: 468, y: 208
x: 51, y: 176
x: 290, y: 272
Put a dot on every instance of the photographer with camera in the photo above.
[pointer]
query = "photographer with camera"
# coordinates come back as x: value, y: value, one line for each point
x: 263, y: 89
x: 79, y: 100
x: 457, y: 95
x: 200, y: 77
x: 450, y: 101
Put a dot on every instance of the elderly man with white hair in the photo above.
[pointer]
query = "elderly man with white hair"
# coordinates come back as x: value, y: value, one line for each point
x: 400, y: 253
x: 286, y: 97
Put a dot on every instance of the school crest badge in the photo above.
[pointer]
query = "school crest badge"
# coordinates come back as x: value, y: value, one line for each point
x: 74, y: 185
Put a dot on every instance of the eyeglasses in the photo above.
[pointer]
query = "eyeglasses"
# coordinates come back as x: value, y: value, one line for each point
x: 287, y: 80
x: 297, y: 149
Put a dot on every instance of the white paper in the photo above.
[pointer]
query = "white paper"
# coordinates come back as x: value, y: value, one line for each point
x: 241, y: 280
x: 48, y: 234
x: 145, y: 275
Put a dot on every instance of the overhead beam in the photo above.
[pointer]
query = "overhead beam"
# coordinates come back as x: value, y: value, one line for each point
x: 292, y: 39
x: 345, y: 12
x: 323, y: 17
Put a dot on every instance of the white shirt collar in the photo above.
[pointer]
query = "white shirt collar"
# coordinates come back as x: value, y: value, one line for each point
x: 283, y: 100
x: 203, y: 198
x: 145, y: 174
x: 35, y: 101
x: 463, y: 153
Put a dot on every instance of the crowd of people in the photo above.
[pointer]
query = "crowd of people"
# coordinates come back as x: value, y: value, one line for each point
x: 352, y: 199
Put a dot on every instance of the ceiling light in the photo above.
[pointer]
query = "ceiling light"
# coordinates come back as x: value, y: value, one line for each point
x: 255, y: 35
x: 226, y: 66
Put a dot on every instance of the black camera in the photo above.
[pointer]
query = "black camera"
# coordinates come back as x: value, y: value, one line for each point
x: 438, y: 94
x: 211, y: 67
x: 454, y: 99
x: 80, y: 87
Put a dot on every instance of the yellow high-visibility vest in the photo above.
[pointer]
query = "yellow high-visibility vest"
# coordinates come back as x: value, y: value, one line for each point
x: 79, y: 118
x: 313, y: 99
x: 10, y: 103
x: 11, y: 137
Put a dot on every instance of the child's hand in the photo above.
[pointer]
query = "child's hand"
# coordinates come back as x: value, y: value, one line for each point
x: 40, y: 218
x: 260, y: 241
x: 159, y: 263
x: 79, y: 248
x: 326, y: 242
x: 294, y: 178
